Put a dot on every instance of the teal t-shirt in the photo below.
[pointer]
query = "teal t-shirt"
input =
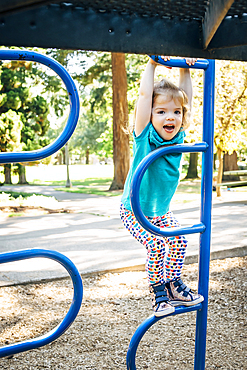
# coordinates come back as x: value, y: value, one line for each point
x: 161, y: 179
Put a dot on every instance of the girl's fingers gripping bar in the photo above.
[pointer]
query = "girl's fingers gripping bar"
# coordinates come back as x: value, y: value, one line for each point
x: 180, y: 62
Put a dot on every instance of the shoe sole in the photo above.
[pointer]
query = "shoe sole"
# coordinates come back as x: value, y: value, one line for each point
x: 188, y: 303
x: 165, y: 312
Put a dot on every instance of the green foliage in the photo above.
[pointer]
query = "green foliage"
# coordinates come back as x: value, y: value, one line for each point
x: 10, y: 131
x: 231, y: 106
x: 90, y: 128
x: 20, y: 112
x: 30, y: 94
x: 94, y: 129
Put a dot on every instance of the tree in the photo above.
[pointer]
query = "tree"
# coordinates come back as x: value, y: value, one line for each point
x: 231, y: 108
x: 230, y: 163
x: 96, y: 85
x: 89, y: 129
x: 32, y: 93
x: 121, y: 154
x: 10, y: 135
x: 27, y: 113
x: 192, y: 169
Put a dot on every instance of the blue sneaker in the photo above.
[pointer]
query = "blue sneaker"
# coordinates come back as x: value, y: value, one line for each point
x: 180, y: 295
x: 160, y: 300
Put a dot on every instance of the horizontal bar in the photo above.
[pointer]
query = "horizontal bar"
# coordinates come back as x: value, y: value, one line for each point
x: 13, y: 157
x: 136, y: 183
x: 71, y: 314
x: 180, y: 63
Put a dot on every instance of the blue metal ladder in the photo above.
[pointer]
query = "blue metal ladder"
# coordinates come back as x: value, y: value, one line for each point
x: 36, y: 155
x: 204, y: 227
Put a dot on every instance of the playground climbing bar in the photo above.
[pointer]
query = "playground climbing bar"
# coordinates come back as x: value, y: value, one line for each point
x: 74, y: 106
x: 204, y: 227
x: 73, y: 310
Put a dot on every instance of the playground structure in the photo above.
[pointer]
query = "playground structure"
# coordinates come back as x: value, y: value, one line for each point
x: 204, y: 227
x: 32, y: 156
x: 213, y: 30
x: 71, y: 314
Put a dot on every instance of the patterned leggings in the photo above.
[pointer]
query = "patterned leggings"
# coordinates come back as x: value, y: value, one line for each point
x: 160, y: 266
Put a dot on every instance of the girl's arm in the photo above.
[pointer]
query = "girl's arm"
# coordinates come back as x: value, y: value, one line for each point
x: 185, y: 81
x: 144, y: 103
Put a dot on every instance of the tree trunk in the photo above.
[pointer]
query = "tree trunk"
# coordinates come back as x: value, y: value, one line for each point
x: 192, y: 170
x: 7, y: 174
x: 121, y: 152
x: 220, y: 171
x: 230, y: 163
x: 87, y: 156
x: 22, y: 174
x: 214, y: 161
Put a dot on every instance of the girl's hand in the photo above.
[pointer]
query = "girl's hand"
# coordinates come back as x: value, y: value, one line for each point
x: 190, y: 61
x: 166, y: 58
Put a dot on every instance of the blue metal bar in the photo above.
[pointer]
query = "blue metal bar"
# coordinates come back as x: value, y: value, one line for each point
x: 136, y: 183
x: 71, y: 314
x: 206, y: 206
x: 74, y: 107
x: 180, y: 63
x: 143, y: 328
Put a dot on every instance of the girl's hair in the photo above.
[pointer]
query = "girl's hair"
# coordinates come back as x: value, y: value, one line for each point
x: 170, y: 90
x: 167, y: 88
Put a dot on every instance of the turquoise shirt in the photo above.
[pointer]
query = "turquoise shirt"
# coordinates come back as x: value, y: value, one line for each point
x: 161, y: 179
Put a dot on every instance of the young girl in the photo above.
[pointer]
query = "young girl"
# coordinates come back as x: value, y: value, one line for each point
x: 162, y: 114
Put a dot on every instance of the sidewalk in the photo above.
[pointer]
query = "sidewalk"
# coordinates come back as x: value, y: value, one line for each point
x: 94, y: 238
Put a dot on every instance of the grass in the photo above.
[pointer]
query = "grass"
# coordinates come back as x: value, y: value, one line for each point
x: 189, y: 186
x: 17, y: 199
x: 16, y: 195
x: 96, y: 186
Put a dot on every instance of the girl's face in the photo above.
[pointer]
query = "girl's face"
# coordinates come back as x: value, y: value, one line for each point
x: 167, y: 116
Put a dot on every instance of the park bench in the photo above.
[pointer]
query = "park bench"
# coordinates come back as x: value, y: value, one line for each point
x: 234, y: 184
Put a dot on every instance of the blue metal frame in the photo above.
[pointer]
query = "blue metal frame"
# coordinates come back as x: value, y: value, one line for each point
x: 74, y: 107
x: 204, y: 227
x: 136, y: 183
x: 73, y: 310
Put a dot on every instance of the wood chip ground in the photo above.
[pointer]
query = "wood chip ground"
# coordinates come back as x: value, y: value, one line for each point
x: 114, y: 305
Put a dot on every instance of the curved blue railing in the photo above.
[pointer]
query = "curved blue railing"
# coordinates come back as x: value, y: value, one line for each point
x: 136, y: 183
x: 74, y: 107
x: 143, y: 328
x: 73, y: 310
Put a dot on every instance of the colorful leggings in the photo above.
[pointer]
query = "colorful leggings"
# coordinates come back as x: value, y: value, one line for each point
x: 160, y: 266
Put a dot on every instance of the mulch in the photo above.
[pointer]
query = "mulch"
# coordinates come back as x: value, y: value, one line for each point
x: 113, y: 307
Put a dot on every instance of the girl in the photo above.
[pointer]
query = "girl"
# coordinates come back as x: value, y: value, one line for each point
x: 161, y: 117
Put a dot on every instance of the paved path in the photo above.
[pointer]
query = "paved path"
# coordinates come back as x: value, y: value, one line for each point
x: 94, y: 238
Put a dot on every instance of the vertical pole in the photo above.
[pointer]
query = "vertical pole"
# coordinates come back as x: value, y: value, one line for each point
x: 206, y: 205
x: 68, y: 182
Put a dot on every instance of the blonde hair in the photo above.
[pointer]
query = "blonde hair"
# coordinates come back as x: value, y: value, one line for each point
x: 173, y: 92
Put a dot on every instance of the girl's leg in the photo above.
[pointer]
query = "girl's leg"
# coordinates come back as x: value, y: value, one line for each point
x: 177, y: 249
x: 155, y: 262
x: 178, y: 292
x: 154, y: 245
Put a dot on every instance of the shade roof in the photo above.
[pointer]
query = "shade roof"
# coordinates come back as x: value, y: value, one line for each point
x: 212, y: 29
